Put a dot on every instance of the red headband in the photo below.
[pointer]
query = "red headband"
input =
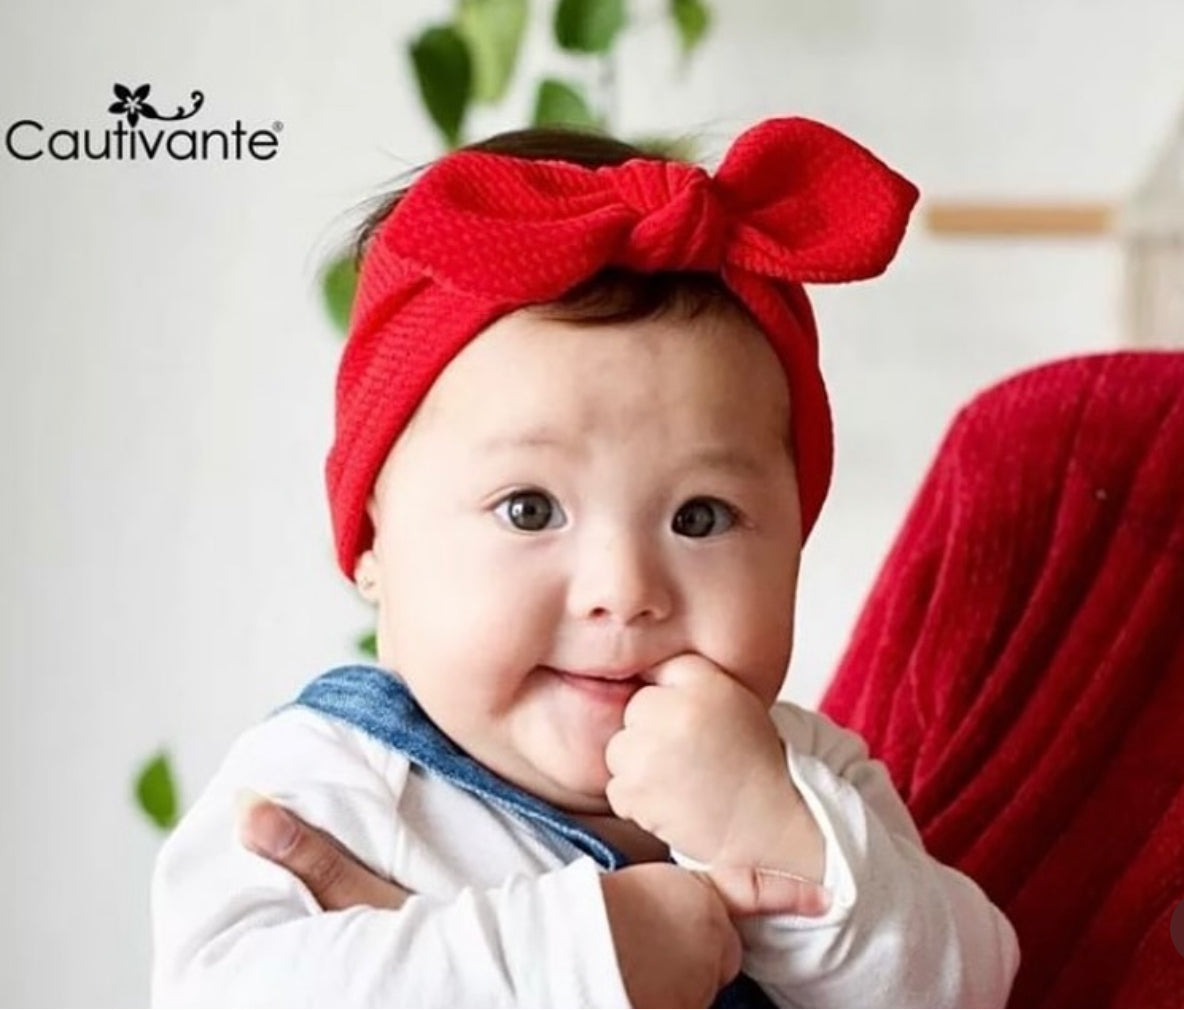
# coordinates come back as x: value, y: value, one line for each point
x: 480, y: 235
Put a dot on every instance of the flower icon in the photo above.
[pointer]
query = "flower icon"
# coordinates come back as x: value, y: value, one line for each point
x: 134, y: 105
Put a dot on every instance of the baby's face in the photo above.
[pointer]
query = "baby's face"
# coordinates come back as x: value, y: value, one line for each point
x: 571, y: 505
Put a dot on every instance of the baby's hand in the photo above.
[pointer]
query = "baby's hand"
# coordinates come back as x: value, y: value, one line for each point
x: 699, y: 764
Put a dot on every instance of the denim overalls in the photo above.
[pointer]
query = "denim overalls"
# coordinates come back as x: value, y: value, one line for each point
x: 380, y: 705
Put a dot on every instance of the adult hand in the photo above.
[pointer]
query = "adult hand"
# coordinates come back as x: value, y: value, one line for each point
x: 334, y: 876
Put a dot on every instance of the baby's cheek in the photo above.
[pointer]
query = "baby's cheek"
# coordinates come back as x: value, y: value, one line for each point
x: 488, y: 618
x: 753, y: 642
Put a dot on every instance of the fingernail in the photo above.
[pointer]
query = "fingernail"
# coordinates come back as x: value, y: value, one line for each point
x: 263, y: 826
x: 814, y: 899
x: 818, y: 901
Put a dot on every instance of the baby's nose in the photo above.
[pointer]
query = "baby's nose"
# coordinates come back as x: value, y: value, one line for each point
x: 622, y: 580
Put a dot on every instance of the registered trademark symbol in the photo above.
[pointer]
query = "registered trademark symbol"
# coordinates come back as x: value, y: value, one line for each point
x: 277, y: 126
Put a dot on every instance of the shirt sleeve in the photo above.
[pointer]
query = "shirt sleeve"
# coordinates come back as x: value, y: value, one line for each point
x: 232, y: 929
x: 903, y: 929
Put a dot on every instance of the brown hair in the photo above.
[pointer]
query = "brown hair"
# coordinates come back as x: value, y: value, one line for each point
x: 613, y: 295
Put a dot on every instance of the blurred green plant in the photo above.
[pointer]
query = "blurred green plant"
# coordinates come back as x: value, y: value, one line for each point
x: 338, y: 285
x: 156, y: 791
x: 367, y: 645
x: 471, y: 60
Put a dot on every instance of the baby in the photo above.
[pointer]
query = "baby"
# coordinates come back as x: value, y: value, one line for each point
x: 581, y: 437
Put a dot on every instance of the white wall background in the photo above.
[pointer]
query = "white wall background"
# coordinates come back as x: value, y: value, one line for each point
x: 166, y: 371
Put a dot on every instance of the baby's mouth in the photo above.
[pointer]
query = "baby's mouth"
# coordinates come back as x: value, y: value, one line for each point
x: 608, y: 685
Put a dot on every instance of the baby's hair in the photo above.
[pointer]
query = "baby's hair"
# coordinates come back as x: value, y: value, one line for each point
x: 613, y: 295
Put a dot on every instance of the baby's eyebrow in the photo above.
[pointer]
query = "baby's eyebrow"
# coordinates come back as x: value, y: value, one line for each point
x: 535, y: 438
x: 724, y: 457
x: 729, y: 458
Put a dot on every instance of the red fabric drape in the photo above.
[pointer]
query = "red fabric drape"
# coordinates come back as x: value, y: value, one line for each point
x: 1019, y: 666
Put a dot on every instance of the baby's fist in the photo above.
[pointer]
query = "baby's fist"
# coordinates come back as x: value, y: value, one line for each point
x: 697, y: 758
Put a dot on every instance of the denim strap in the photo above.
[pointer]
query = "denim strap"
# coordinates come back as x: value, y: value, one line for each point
x: 381, y: 706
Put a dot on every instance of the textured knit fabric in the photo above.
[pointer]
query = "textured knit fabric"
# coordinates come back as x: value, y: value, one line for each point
x: 1019, y: 666
x: 508, y: 908
x: 480, y: 235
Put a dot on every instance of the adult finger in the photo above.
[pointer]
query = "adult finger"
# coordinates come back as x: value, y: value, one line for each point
x: 336, y: 879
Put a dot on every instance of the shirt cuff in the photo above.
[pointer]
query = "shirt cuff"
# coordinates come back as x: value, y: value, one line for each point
x: 769, y: 939
x: 817, y: 785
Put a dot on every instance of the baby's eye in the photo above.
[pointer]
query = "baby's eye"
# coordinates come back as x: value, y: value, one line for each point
x: 701, y: 517
x: 530, y: 511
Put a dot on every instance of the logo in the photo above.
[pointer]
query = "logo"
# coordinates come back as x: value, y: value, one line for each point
x: 135, y: 137
x: 134, y: 104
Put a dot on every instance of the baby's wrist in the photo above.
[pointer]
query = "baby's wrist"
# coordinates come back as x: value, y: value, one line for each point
x: 784, y: 837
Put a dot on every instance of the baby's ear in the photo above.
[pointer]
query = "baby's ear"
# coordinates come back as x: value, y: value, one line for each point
x: 366, y: 576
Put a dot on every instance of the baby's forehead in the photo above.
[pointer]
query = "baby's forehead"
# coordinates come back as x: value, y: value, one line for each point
x: 529, y: 367
x: 622, y: 414
x: 536, y: 345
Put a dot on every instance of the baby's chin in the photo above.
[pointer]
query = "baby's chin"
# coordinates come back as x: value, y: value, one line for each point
x: 571, y: 778
x: 574, y: 789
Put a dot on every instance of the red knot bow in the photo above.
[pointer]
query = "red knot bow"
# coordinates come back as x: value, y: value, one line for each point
x: 680, y: 223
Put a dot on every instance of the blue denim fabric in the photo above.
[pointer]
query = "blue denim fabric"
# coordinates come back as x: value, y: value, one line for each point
x: 380, y: 705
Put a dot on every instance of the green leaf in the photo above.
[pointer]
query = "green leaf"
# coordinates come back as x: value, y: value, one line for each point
x: 588, y: 26
x: 155, y: 792
x: 692, y: 18
x: 492, y: 30
x: 444, y: 72
x: 339, y: 283
x: 368, y: 645
x: 559, y: 103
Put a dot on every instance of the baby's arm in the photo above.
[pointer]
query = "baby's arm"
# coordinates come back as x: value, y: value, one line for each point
x: 232, y: 929
x: 903, y: 929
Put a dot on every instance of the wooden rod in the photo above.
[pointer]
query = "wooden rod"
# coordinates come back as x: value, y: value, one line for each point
x: 1008, y: 220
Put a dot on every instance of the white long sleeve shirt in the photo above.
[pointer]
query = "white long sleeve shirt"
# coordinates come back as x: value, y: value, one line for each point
x: 508, y: 914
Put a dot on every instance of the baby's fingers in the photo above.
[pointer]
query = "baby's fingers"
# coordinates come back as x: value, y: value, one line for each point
x: 335, y: 878
x: 750, y: 890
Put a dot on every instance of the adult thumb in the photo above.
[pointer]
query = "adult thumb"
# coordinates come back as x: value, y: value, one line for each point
x: 753, y: 890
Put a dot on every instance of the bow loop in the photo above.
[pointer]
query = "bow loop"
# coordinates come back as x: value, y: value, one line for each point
x: 680, y: 225
x: 813, y: 206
